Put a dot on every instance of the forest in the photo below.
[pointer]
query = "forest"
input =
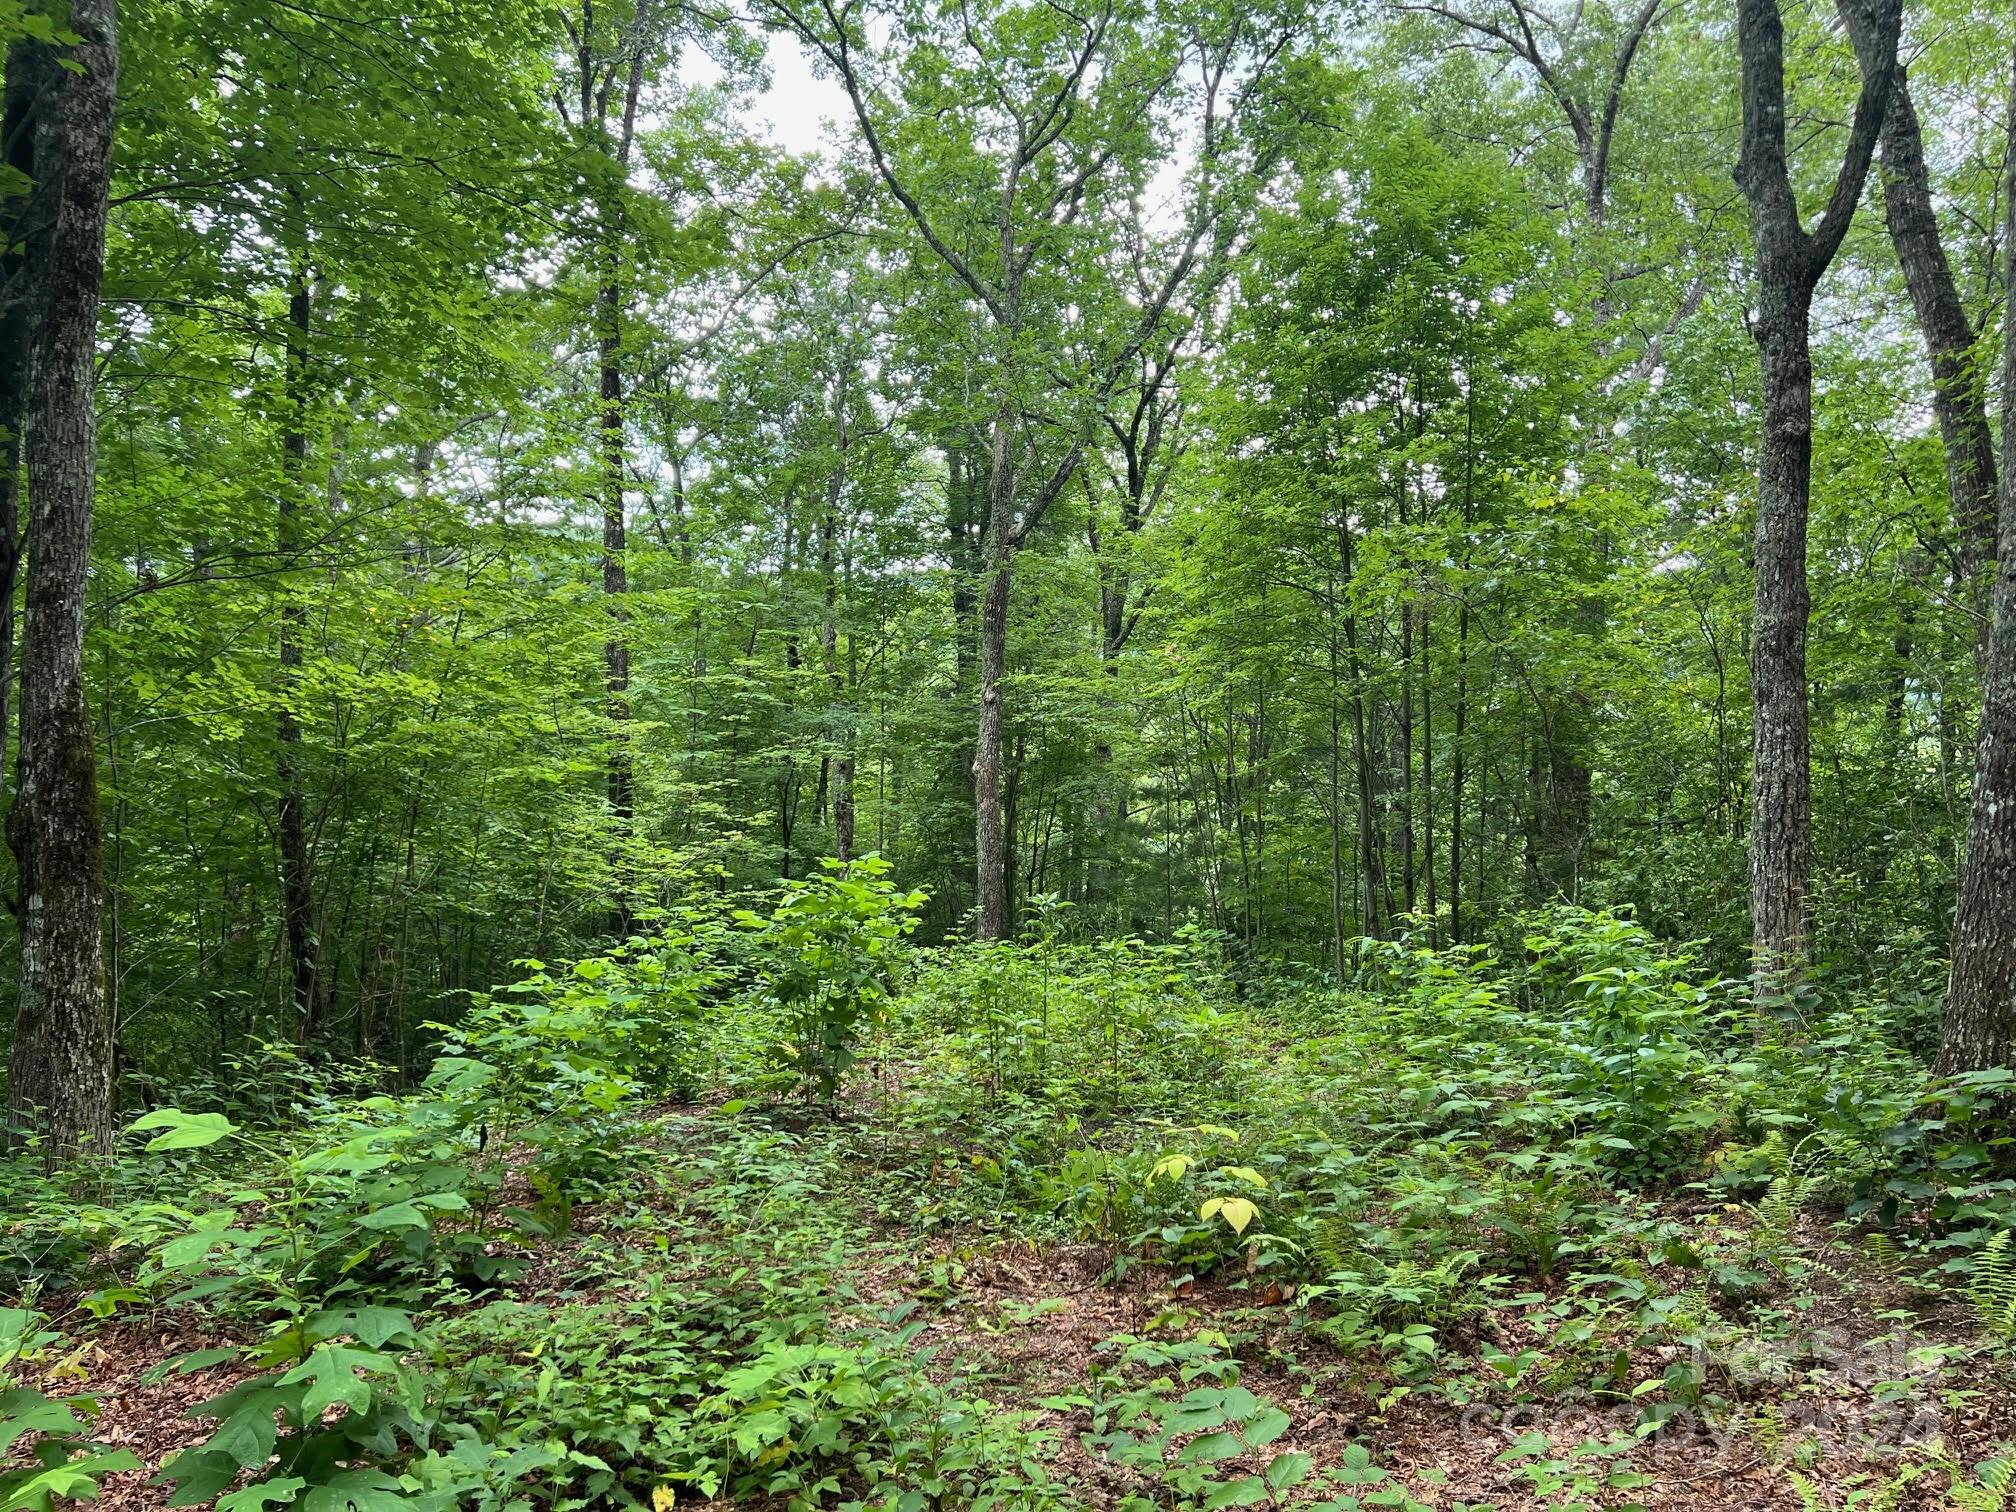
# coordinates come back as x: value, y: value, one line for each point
x: 1008, y: 755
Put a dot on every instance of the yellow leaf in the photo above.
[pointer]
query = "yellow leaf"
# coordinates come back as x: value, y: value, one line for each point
x: 1236, y: 1211
x: 663, y: 1498
x: 1172, y: 1166
x: 1246, y: 1174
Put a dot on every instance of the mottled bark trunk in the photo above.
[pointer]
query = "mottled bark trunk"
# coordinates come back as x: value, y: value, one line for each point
x: 1959, y: 398
x: 1790, y: 261
x: 1781, y: 817
x: 611, y: 230
x: 1980, y: 1025
x: 620, y: 776
x: 26, y: 234
x: 60, y: 1073
x: 615, y: 572
x: 962, y: 552
x: 1459, y: 770
x: 1371, y: 881
x: 1959, y: 402
x: 989, y: 842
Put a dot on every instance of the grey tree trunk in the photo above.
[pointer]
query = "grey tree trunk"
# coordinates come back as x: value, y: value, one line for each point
x: 839, y: 711
x: 1980, y: 1024
x: 990, y: 854
x: 1790, y: 261
x: 1959, y: 399
x: 60, y: 1073
x: 26, y: 232
x: 1959, y: 389
x: 1781, y: 800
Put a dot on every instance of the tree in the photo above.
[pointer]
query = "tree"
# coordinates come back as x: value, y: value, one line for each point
x: 1790, y: 262
x: 60, y: 1072
x: 1583, y: 65
x: 1979, y: 1029
x: 1959, y: 396
x: 1073, y: 99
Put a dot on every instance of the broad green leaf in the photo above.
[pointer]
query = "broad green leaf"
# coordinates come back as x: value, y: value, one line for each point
x: 182, y: 1131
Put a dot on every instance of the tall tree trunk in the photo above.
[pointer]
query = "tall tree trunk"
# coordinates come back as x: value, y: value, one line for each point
x: 1371, y: 882
x: 296, y: 879
x: 1959, y: 392
x: 1959, y: 401
x: 990, y: 854
x: 615, y: 583
x: 1790, y: 262
x: 60, y: 1073
x: 1336, y: 790
x: 596, y: 82
x: 1782, y: 801
x: 1457, y: 771
x: 1980, y: 1025
x: 839, y: 716
x: 1403, y: 750
x: 22, y: 255
x: 1428, y: 781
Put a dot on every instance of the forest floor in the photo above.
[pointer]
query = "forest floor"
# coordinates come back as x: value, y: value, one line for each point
x: 1835, y: 1413
x: 978, y: 1281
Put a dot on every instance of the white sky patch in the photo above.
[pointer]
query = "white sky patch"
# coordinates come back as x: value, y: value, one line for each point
x: 797, y: 108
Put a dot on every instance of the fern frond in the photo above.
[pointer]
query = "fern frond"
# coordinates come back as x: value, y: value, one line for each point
x: 1992, y: 1288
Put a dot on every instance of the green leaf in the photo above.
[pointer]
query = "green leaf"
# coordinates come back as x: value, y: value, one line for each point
x: 24, y: 1410
x: 1265, y: 1426
x: 73, y: 1480
x: 199, y: 1475
x: 248, y: 1435
x: 182, y: 1131
x: 375, y: 1326
x: 1288, y: 1468
x: 277, y: 1492
x: 332, y: 1370
x: 362, y: 1490
x: 398, y: 1215
x: 1247, y: 1491
x: 1212, y: 1447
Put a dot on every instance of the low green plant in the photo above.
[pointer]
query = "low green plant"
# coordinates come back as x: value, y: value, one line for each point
x: 1992, y: 1288
x: 1370, y: 1486
x: 1183, y: 1446
x: 1586, y: 1478
x: 62, y: 1462
x: 832, y: 949
x: 1986, y: 1486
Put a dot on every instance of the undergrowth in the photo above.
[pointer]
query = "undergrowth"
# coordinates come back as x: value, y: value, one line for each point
x: 1573, y: 1173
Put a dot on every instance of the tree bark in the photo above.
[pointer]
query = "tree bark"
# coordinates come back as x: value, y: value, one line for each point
x: 990, y: 856
x: 1959, y: 402
x: 1979, y: 1030
x: 597, y: 100
x: 839, y: 716
x: 26, y: 230
x: 1371, y: 879
x: 615, y: 583
x: 1790, y: 261
x: 1459, y: 772
x: 60, y: 1073
x: 1959, y: 390
x: 1782, y: 801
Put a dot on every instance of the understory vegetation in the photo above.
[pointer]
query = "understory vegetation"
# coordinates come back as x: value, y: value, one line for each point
x: 770, y: 1207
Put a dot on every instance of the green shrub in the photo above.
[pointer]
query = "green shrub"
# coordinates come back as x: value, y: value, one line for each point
x: 832, y: 949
